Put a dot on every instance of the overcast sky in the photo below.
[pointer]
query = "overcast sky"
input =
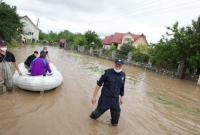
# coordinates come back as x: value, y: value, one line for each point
x: 108, y: 16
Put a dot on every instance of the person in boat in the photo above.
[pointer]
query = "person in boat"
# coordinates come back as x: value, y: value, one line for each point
x: 30, y: 58
x: 6, y: 59
x: 46, y: 51
x: 40, y: 66
x: 112, y: 93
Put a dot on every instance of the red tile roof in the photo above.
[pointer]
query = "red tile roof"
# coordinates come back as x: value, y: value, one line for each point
x: 117, y: 38
x: 108, y: 40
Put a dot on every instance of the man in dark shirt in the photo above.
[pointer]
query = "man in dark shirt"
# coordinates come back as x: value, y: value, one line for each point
x: 30, y: 59
x: 7, y: 57
x: 112, y: 93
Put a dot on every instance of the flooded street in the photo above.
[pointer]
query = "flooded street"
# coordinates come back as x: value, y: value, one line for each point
x: 153, y: 104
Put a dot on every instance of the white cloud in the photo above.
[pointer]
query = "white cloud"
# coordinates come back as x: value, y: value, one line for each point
x: 108, y: 16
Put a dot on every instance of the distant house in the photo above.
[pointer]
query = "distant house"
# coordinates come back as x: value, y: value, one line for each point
x: 30, y: 30
x: 118, y: 39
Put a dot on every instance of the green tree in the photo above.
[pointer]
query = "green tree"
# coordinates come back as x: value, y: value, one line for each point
x: 43, y: 36
x: 66, y: 35
x: 163, y: 55
x: 52, y: 36
x: 124, y: 50
x: 10, y: 26
x: 187, y: 41
x: 181, y: 44
x: 92, y: 40
x: 78, y: 39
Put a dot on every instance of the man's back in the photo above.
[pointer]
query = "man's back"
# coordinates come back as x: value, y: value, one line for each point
x: 29, y: 60
x: 39, y: 67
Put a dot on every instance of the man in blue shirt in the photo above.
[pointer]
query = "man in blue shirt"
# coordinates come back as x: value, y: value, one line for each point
x: 112, y: 93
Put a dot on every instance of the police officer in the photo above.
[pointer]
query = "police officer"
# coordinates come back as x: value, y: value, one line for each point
x: 112, y: 93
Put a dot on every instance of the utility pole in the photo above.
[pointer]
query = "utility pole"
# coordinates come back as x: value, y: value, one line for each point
x: 37, y: 22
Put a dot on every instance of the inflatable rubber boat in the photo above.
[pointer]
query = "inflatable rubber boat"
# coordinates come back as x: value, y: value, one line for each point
x: 37, y: 83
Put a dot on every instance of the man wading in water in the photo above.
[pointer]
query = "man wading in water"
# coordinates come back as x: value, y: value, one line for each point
x: 6, y: 58
x: 112, y: 93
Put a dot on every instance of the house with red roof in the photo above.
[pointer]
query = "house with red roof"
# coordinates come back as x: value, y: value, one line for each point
x: 119, y: 39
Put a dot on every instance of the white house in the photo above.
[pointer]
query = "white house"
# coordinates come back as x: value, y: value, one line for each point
x: 30, y: 30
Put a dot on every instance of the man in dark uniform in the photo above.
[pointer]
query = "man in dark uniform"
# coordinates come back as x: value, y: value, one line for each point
x: 112, y: 93
x: 30, y: 58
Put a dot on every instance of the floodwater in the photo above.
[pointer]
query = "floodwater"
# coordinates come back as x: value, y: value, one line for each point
x: 153, y: 104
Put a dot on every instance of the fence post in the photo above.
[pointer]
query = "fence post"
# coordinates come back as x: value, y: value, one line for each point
x: 81, y: 49
x: 100, y: 52
x: 91, y: 51
x: 78, y: 49
x: 149, y: 63
x: 198, y: 83
x: 113, y: 54
x: 130, y: 55
x: 180, y: 69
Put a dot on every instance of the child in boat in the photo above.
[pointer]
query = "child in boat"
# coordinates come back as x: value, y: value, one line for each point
x: 40, y: 65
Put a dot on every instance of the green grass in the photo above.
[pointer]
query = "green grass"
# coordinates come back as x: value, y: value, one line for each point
x: 166, y: 101
x: 96, y: 69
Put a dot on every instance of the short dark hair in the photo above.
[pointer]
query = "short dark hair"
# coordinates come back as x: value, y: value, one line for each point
x: 42, y: 54
x: 36, y: 52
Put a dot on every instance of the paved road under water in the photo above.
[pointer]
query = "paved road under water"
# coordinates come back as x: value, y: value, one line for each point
x: 153, y: 104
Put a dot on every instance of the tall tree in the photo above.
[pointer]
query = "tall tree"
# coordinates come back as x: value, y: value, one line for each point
x: 10, y: 26
x: 181, y: 44
x: 92, y: 39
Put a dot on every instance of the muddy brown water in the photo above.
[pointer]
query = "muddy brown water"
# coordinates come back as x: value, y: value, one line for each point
x: 153, y: 104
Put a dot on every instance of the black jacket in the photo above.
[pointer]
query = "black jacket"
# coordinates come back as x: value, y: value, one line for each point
x: 29, y: 60
x: 113, y: 83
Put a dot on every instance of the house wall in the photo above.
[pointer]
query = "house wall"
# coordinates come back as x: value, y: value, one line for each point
x: 140, y: 41
x: 126, y: 39
x: 30, y: 31
x: 107, y: 47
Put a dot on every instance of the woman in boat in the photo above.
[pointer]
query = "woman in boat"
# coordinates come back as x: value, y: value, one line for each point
x: 40, y: 65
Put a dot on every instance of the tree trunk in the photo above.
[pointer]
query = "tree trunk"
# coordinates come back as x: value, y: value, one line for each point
x: 185, y: 63
x: 184, y: 70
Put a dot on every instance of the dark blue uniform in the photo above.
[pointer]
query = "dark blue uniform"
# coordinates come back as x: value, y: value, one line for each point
x: 113, y: 87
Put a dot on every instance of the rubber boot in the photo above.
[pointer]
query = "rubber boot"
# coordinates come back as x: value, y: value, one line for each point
x: 115, y: 118
x: 95, y: 114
